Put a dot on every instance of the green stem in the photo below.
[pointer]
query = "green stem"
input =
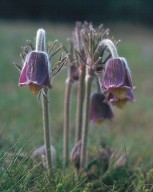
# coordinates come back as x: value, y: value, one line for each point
x: 80, y: 103
x: 88, y: 81
x: 67, y: 120
x: 40, y: 46
x: 46, y: 126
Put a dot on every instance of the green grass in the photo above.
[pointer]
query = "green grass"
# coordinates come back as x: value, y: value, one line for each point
x: 21, y: 124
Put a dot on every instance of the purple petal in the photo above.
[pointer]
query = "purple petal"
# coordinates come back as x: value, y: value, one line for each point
x: 128, y: 78
x: 130, y: 96
x: 37, y: 67
x: 47, y: 82
x: 23, y: 79
x: 114, y: 75
x: 99, y: 110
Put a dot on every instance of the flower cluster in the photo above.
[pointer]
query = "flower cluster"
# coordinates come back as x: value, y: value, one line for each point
x: 91, y: 57
x: 99, y: 54
x: 117, y: 88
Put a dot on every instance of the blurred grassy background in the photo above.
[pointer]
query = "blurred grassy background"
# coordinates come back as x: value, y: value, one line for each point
x: 20, y: 111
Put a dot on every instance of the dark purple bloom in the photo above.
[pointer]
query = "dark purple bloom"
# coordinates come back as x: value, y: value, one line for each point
x: 35, y: 71
x: 117, y: 78
x: 120, y: 103
x: 99, y: 109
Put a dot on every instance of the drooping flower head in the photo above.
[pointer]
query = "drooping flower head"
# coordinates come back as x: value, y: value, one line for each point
x: 99, y: 109
x: 117, y: 78
x: 36, y: 71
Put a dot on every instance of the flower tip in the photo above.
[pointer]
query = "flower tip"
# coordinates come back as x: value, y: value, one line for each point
x: 34, y: 88
x: 40, y: 30
x: 99, y: 121
x: 120, y: 92
x: 120, y: 104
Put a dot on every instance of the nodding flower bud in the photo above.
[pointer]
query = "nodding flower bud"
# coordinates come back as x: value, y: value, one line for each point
x: 76, y: 154
x: 36, y: 71
x: 117, y: 78
x: 40, y: 155
x: 99, y: 109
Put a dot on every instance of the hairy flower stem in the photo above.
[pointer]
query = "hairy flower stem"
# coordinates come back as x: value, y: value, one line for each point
x: 46, y: 126
x: 40, y: 40
x: 88, y: 82
x: 67, y: 103
x: 110, y: 45
x: 80, y: 98
x: 40, y: 46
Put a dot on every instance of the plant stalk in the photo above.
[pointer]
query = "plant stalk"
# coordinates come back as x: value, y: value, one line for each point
x: 80, y: 98
x: 46, y: 127
x: 40, y: 46
x: 67, y: 103
x: 88, y: 82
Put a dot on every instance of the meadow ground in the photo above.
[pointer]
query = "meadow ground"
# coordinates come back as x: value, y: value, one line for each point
x: 21, y: 121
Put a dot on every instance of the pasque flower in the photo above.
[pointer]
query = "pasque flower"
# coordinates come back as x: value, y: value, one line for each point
x: 99, y: 109
x: 117, y: 78
x: 36, y: 71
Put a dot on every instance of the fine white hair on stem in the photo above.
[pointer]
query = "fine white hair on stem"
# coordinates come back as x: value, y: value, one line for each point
x: 40, y: 40
x: 110, y: 45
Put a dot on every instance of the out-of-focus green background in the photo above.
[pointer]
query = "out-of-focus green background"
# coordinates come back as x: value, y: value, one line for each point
x: 20, y: 111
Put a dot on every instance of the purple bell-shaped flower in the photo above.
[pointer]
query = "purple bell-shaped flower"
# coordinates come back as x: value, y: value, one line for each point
x: 99, y: 109
x: 117, y: 78
x: 35, y: 71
